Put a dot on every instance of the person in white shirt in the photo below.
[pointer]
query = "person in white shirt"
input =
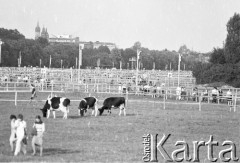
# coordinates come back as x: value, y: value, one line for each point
x: 13, y: 136
x: 229, y: 99
x: 205, y: 96
x: 38, y: 138
x: 215, y: 94
x: 20, y: 126
x: 178, y: 93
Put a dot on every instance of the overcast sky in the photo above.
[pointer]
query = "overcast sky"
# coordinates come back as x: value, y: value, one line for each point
x: 157, y: 24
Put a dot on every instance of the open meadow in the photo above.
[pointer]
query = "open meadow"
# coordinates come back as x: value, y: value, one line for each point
x: 113, y: 138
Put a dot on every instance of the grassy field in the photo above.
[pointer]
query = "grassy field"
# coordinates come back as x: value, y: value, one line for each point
x: 110, y: 138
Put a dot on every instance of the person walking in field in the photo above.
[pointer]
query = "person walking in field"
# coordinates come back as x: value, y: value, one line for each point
x: 229, y: 99
x: 33, y: 90
x: 20, y: 126
x: 37, y: 139
x: 13, y: 136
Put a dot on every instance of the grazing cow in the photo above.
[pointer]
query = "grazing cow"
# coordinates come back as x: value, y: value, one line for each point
x: 56, y: 104
x: 113, y: 102
x: 87, y: 103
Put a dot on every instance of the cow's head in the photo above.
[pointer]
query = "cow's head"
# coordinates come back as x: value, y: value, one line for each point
x: 101, y: 110
x: 81, y: 111
x: 81, y: 107
x: 45, y: 108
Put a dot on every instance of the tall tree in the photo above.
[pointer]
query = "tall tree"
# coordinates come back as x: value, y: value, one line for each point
x: 137, y: 45
x: 232, y: 46
x: 11, y: 34
x: 217, y: 56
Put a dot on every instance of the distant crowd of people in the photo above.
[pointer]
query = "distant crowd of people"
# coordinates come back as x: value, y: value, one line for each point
x: 215, y: 96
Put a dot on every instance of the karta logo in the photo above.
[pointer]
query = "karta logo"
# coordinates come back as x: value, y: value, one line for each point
x: 153, y: 148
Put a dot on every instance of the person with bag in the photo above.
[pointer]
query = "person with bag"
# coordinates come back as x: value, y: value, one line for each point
x: 37, y: 133
x: 20, y: 126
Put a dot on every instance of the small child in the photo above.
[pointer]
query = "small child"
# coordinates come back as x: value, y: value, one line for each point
x: 38, y: 138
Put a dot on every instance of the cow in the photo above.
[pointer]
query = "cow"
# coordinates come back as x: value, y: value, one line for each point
x: 87, y: 103
x: 113, y: 102
x: 56, y: 104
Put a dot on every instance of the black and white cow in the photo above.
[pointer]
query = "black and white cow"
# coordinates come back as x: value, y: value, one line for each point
x: 56, y: 104
x: 88, y: 103
x: 113, y: 102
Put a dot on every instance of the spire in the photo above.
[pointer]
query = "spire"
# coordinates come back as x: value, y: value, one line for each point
x: 37, y: 29
x: 46, y: 34
x: 43, y: 29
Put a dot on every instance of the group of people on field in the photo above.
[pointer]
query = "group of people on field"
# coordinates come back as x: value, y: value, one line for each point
x: 19, y: 137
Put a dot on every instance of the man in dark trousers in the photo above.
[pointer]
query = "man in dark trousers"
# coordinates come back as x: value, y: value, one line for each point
x: 33, y: 90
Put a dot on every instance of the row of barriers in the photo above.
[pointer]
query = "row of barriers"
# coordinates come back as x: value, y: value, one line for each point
x: 103, y: 87
x: 170, y: 78
x: 161, y: 95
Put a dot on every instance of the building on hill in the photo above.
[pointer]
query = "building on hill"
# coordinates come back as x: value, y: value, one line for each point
x: 63, y: 39
x: 86, y: 45
x: 38, y: 33
x: 97, y: 44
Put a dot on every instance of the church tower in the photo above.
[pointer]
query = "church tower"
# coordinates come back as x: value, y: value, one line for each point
x: 46, y: 34
x: 43, y: 32
x: 37, y: 31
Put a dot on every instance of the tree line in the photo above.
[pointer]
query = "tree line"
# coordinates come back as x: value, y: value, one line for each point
x: 31, y: 51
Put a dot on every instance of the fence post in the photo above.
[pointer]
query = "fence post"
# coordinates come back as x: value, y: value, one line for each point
x: 52, y: 91
x: 208, y: 98
x: 200, y: 99
x: 126, y: 98
x: 235, y: 101
x: 166, y: 92
x: 16, y: 98
x: 170, y: 93
x: 164, y: 101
